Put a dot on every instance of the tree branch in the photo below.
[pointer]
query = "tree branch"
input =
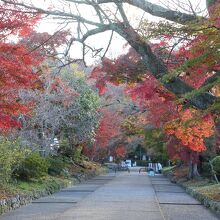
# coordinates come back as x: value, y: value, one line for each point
x: 55, y: 13
x: 147, y: 6
x: 153, y: 63
x: 157, y: 10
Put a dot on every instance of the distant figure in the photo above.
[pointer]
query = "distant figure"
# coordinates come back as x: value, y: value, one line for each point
x: 115, y: 168
x: 159, y: 168
x: 151, y: 172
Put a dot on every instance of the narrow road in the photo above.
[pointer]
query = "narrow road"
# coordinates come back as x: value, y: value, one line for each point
x: 124, y: 196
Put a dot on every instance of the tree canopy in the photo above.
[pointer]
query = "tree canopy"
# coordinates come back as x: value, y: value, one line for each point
x: 117, y: 21
x: 170, y: 71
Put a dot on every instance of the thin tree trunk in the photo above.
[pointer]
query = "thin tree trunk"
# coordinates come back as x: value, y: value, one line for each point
x: 217, y: 136
x: 193, y: 166
x: 213, y: 172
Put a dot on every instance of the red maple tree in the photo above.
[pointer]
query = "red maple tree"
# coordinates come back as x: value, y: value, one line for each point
x: 194, y: 61
x: 16, y: 64
x: 120, y: 151
x: 109, y: 127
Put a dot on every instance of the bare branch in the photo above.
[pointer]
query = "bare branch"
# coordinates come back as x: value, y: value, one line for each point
x: 156, y: 10
x: 122, y: 13
x: 55, y: 13
x: 153, y: 63
x: 109, y: 43
x: 191, y: 7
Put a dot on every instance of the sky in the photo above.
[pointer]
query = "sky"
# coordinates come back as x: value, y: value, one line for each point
x: 101, y: 40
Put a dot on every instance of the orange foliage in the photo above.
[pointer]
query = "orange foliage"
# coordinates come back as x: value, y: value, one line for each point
x: 190, y: 130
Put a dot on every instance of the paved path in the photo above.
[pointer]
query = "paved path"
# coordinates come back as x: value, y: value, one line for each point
x: 124, y: 196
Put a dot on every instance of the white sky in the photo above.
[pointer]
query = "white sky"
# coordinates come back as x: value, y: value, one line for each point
x: 101, y: 40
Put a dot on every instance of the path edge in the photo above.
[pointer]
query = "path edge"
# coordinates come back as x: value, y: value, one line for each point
x: 210, y: 204
x: 7, y: 205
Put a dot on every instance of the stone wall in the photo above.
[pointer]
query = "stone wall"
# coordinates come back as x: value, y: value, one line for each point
x: 20, y: 200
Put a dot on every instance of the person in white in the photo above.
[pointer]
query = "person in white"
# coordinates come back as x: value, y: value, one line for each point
x: 159, y: 168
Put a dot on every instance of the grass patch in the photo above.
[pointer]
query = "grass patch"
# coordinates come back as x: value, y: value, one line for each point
x: 167, y: 169
x: 19, y: 192
x: 47, y: 183
x: 212, y: 192
x: 197, y: 183
x: 203, y: 186
x: 24, y: 187
x: 40, y: 184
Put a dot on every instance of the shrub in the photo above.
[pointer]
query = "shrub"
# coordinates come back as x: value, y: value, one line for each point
x: 73, y: 152
x: 206, y: 169
x: 57, y: 165
x: 216, y: 164
x: 160, y: 158
x: 142, y: 163
x: 12, y: 153
x: 167, y: 170
x: 77, y: 154
x: 33, y: 166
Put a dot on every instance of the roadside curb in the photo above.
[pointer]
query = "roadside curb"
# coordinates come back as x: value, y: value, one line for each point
x: 210, y: 204
x: 17, y: 201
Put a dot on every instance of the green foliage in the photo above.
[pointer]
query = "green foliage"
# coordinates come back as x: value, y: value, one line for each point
x: 138, y: 152
x: 77, y: 154
x: 154, y: 138
x: 155, y: 145
x: 82, y: 117
x: 33, y: 166
x: 216, y: 164
x: 70, y: 151
x: 206, y: 169
x: 131, y: 126
x: 57, y: 165
x: 12, y: 153
x: 160, y: 158
x: 142, y: 163
x: 65, y: 150
x: 167, y: 170
x: 210, y: 2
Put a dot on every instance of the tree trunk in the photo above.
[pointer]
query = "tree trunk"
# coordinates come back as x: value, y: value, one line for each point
x: 193, y: 166
x: 213, y: 172
x: 217, y: 136
x: 158, y: 69
x: 193, y: 171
